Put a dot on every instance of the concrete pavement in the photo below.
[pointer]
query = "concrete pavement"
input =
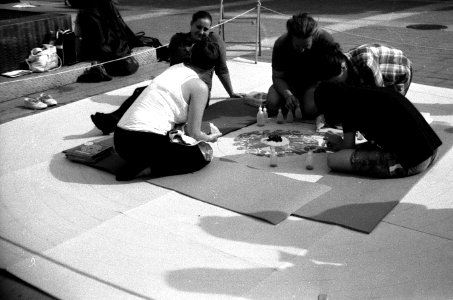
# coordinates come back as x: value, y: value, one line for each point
x: 354, y: 23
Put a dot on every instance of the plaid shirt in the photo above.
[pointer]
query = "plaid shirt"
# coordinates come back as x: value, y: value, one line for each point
x: 379, y: 65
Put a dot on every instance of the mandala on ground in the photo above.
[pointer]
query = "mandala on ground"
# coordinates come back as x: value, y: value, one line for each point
x: 299, y: 142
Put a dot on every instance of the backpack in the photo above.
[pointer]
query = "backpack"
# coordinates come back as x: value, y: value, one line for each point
x: 162, y: 53
x: 105, y: 37
x: 66, y: 46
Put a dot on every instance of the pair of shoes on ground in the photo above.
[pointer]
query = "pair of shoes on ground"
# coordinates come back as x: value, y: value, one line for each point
x: 43, y: 101
x: 104, y: 122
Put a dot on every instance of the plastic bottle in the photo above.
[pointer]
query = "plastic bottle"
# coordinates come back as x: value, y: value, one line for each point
x: 280, y: 119
x: 309, y: 160
x: 290, y: 117
x: 320, y: 122
x: 273, y: 158
x: 298, y: 114
x: 260, y: 117
x: 266, y: 116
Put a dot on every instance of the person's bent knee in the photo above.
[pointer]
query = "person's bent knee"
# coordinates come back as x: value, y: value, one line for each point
x: 340, y: 161
x: 273, y: 100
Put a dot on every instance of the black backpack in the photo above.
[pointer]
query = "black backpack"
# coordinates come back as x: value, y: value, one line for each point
x: 162, y: 52
x: 105, y: 36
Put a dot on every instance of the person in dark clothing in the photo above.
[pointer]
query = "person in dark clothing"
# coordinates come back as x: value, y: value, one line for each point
x: 371, y: 65
x: 181, y: 43
x: 399, y: 140
x: 294, y: 65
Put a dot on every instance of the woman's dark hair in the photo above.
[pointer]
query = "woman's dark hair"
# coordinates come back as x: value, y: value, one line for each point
x: 301, y: 26
x: 330, y: 100
x: 201, y: 15
x: 329, y: 59
x: 204, y: 54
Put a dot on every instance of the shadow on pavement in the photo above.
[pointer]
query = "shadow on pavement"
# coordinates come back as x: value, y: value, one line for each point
x: 230, y: 282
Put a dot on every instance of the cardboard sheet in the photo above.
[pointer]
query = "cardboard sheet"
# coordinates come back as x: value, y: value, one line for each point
x: 355, y: 202
x: 229, y: 115
x: 360, y: 203
x: 244, y: 190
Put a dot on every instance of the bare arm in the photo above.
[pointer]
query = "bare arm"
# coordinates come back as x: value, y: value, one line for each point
x: 196, y: 92
x: 226, y: 82
x: 221, y: 68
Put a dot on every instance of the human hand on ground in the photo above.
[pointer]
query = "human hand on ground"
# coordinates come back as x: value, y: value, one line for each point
x: 215, y: 132
x: 213, y: 128
x: 214, y: 136
x: 333, y: 140
x: 291, y: 102
x: 237, y: 95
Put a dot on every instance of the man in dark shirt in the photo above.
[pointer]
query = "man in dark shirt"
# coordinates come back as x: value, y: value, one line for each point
x: 400, y: 141
x: 293, y: 67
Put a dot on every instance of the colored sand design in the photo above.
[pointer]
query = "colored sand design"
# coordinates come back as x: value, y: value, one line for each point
x: 299, y: 142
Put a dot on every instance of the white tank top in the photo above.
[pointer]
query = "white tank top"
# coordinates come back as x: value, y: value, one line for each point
x: 161, y: 105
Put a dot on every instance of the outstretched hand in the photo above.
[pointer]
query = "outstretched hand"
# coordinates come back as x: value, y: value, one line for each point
x: 215, y: 132
x: 333, y: 141
x: 291, y: 102
x: 237, y: 95
x: 215, y: 136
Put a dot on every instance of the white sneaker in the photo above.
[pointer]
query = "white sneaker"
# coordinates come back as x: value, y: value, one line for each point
x: 47, y: 99
x: 33, y: 103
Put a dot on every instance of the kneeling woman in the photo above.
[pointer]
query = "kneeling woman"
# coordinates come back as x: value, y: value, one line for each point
x: 400, y: 141
x: 146, y: 136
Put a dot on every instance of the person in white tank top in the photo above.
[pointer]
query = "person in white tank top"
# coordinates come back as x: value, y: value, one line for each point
x: 177, y: 96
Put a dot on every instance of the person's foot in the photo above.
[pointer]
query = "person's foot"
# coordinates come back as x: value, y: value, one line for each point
x: 104, y: 122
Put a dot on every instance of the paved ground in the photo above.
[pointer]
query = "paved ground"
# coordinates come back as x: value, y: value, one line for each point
x: 354, y: 23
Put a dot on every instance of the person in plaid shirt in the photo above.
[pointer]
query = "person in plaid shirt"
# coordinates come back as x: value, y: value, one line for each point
x: 367, y: 65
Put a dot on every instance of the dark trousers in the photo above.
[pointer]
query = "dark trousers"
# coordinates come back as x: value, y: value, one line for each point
x: 146, y: 149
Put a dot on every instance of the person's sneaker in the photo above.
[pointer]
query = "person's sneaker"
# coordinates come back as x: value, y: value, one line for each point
x: 104, y: 122
x: 47, y: 99
x: 34, y: 103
